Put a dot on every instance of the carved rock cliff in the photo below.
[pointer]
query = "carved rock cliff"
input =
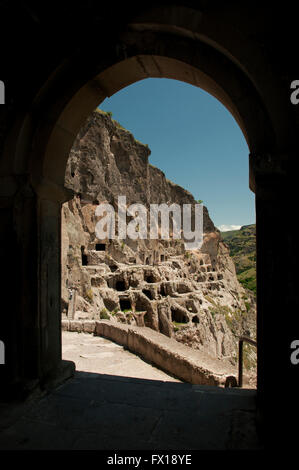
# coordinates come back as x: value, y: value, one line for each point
x: 193, y: 296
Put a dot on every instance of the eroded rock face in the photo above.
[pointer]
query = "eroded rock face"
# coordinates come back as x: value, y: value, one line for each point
x: 193, y: 296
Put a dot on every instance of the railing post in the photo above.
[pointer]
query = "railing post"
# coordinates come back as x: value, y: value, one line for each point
x: 240, y: 379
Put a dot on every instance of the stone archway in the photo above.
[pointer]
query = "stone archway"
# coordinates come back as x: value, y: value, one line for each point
x: 195, y: 46
x: 179, y: 58
x: 200, y: 68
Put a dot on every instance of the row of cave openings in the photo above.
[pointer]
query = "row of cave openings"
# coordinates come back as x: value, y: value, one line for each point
x: 102, y: 247
x: 176, y: 315
x: 125, y: 303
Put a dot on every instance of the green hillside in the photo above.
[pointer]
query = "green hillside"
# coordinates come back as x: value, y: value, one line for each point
x: 242, y: 249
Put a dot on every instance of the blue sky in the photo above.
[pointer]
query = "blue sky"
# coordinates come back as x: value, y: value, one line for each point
x: 194, y: 140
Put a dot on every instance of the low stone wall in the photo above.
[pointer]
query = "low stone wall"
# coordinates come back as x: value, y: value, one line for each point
x: 189, y: 365
x: 86, y: 326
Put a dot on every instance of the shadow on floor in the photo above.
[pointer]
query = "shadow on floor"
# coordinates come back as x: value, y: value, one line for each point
x: 107, y: 412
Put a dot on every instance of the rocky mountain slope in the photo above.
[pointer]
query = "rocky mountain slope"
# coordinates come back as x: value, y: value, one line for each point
x: 193, y: 296
x: 241, y: 245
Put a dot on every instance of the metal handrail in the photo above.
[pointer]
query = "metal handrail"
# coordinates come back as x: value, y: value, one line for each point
x: 241, y: 341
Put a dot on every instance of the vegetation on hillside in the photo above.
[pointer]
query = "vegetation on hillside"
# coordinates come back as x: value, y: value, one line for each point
x: 242, y: 250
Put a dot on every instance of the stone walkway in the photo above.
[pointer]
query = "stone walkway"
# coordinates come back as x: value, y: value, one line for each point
x: 107, y: 411
x: 95, y: 354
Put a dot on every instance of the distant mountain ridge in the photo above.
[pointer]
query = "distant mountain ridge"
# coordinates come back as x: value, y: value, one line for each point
x: 242, y: 246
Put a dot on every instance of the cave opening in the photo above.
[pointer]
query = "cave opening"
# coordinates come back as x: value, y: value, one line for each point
x: 84, y: 258
x: 125, y: 304
x: 163, y: 291
x: 148, y: 293
x: 120, y: 285
x: 191, y: 307
x: 178, y: 316
x: 100, y: 247
x: 110, y: 304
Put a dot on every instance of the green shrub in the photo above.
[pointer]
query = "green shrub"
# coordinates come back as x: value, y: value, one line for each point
x: 177, y: 326
x: 104, y: 314
x: 89, y: 295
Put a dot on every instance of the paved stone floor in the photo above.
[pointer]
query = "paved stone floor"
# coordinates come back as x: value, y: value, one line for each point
x: 95, y: 354
x: 107, y: 411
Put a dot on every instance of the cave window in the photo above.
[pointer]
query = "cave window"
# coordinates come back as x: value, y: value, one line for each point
x: 83, y: 257
x: 191, y: 307
x: 125, y: 304
x: 100, y: 247
x: 147, y: 261
x: 162, y: 291
x: 178, y: 316
x: 150, y: 279
x: 162, y: 258
x: 195, y: 319
x: 140, y: 305
x: 120, y: 285
x: 113, y: 268
x: 110, y: 304
x: 148, y: 293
